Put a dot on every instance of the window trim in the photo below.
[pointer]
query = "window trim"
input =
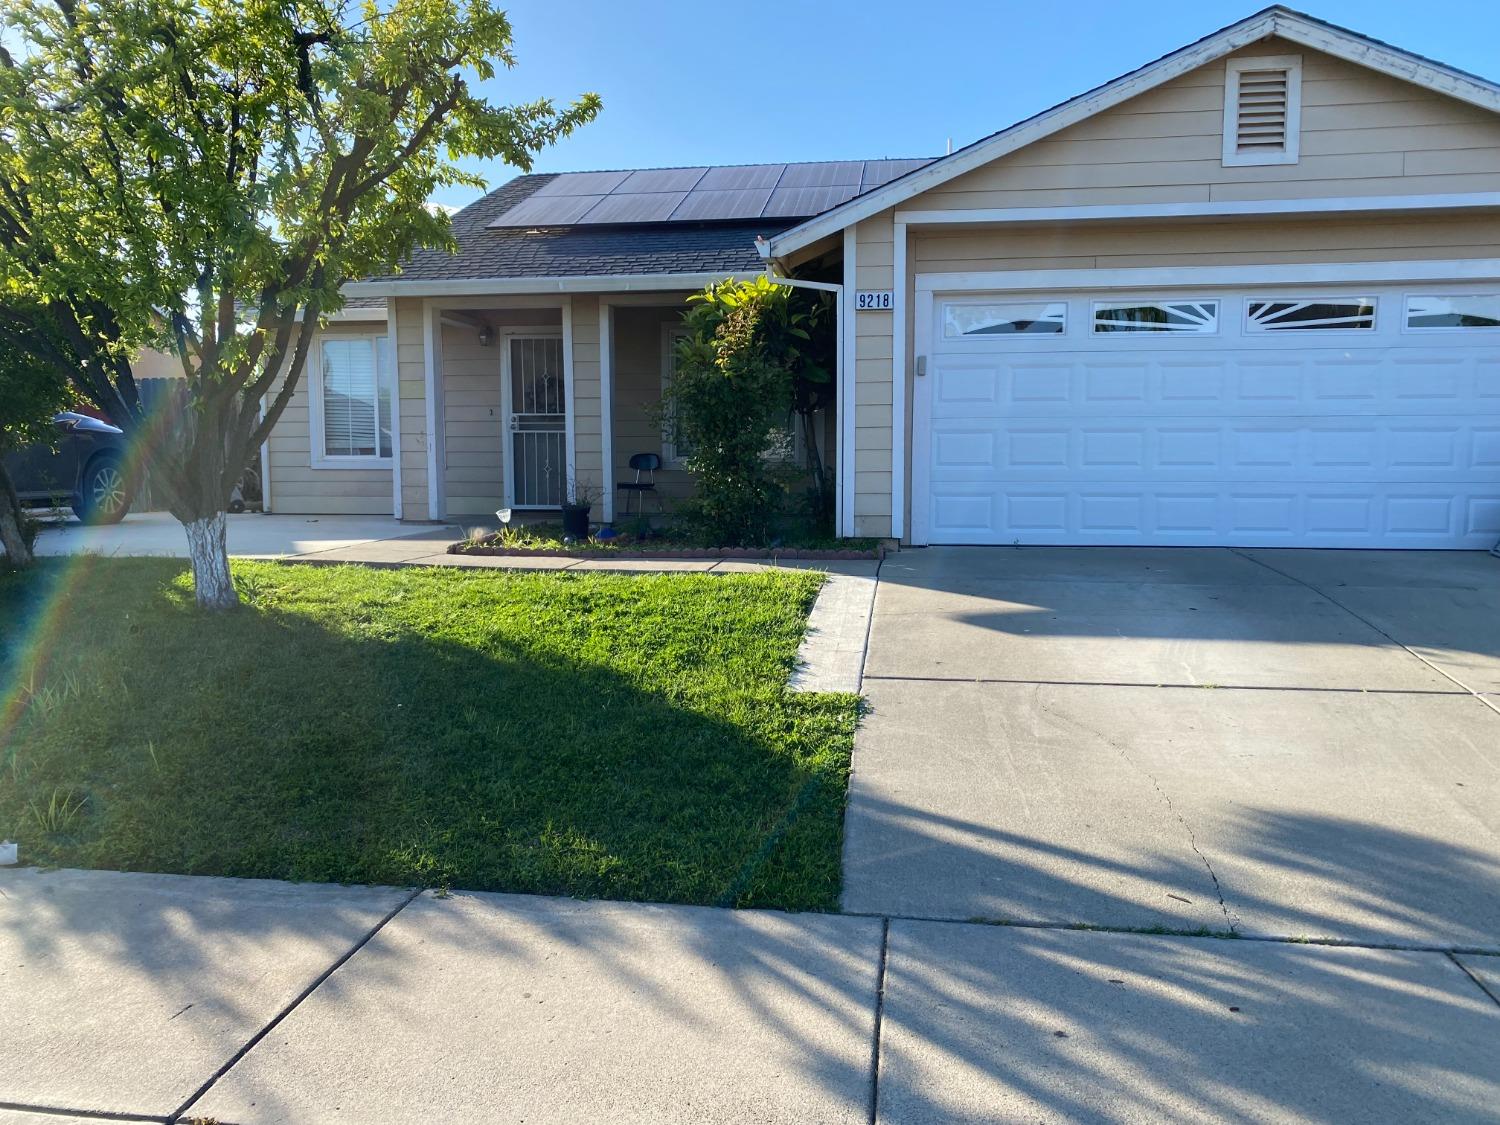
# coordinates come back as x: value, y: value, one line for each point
x: 1250, y: 329
x: 1291, y: 150
x: 317, y: 433
x: 671, y: 332
x: 1447, y: 329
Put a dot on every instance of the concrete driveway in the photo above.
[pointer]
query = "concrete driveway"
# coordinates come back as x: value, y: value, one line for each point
x: 1287, y: 743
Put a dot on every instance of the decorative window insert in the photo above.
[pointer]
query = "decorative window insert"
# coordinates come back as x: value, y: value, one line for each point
x: 352, y: 402
x: 1042, y: 318
x: 1198, y: 318
x: 1262, y: 110
x: 674, y: 450
x: 1477, y: 310
x: 1290, y: 314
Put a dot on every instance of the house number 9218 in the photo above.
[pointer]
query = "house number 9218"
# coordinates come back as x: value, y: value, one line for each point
x: 874, y: 299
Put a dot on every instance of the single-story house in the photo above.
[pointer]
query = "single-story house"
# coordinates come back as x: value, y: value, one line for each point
x: 1248, y: 294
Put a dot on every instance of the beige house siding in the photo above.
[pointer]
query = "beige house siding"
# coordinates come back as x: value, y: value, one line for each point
x: 1362, y: 134
x: 296, y: 486
x: 1221, y: 242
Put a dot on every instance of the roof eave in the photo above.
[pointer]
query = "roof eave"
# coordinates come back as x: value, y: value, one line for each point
x: 501, y: 286
x: 1272, y: 22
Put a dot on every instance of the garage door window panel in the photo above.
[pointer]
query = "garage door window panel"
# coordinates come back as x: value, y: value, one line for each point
x: 1470, y: 311
x: 1031, y: 318
x: 1310, y: 314
x: 1157, y: 318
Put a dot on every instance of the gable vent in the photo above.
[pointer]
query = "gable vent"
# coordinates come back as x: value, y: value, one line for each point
x: 1261, y: 111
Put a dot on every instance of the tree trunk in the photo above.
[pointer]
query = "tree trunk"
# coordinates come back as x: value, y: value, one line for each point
x: 206, y: 546
x: 12, y: 538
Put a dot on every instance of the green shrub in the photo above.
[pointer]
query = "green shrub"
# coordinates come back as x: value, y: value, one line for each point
x: 741, y: 374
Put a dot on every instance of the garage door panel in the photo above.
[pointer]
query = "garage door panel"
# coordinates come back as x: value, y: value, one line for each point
x: 1247, y: 450
x: 1427, y: 382
x: 1384, y: 437
x: 1298, y: 514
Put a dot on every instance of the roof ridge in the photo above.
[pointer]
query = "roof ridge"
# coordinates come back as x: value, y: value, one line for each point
x: 747, y: 164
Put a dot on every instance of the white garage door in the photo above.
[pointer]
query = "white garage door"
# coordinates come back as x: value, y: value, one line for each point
x: 1288, y: 416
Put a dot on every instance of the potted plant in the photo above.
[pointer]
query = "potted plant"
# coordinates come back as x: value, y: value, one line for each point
x: 575, y: 508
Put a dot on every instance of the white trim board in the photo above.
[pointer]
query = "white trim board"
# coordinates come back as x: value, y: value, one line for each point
x: 898, y: 384
x: 845, y: 375
x: 1276, y: 22
x: 1237, y: 208
x: 496, y: 287
x: 1181, y: 277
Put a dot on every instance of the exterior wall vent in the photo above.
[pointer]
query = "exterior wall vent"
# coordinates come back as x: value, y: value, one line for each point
x: 1262, y: 110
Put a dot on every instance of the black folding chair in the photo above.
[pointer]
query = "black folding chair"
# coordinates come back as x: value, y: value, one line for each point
x: 647, y: 464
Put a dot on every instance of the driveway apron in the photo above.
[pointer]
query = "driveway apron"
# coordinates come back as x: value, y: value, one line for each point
x: 1292, y: 743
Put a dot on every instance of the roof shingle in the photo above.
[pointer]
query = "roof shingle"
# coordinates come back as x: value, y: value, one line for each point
x: 584, y: 251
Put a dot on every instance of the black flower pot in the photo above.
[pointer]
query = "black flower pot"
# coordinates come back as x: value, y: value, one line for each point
x: 575, y: 521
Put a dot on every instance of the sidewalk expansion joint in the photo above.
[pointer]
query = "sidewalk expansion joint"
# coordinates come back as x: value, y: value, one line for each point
x: 85, y: 1114
x: 1174, y: 932
x: 885, y: 944
x: 178, y: 1114
x: 1460, y: 693
x: 1326, y: 596
x: 1484, y: 988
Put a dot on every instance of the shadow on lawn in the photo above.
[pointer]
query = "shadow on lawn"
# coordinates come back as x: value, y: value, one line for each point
x: 273, y: 744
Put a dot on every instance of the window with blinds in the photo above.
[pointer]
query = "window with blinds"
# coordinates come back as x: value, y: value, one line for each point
x: 1262, y: 110
x: 355, y: 398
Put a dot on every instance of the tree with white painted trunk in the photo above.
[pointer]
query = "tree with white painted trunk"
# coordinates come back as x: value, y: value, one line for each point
x: 203, y: 175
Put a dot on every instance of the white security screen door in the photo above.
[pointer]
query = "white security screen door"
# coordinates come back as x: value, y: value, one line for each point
x: 537, y: 429
x: 1284, y: 415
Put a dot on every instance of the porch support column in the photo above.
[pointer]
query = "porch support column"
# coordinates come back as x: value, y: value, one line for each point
x: 606, y: 408
x: 432, y: 336
x: 581, y: 352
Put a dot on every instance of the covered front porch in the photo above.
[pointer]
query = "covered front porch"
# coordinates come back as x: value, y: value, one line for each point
x: 520, y: 401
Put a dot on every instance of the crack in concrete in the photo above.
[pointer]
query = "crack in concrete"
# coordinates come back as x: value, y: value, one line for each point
x: 1229, y: 919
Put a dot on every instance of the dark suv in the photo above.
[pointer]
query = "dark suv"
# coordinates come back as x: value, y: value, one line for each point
x: 84, y: 469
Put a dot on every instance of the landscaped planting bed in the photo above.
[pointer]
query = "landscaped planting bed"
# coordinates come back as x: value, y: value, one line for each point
x: 547, y: 541
x: 587, y: 734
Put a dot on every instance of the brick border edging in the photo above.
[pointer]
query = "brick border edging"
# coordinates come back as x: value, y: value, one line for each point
x: 751, y: 553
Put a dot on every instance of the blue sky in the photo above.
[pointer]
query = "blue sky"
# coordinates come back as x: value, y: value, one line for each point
x: 708, y: 83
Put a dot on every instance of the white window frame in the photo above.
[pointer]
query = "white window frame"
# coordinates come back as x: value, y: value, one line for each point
x: 1290, y: 152
x: 317, y: 431
x: 670, y: 334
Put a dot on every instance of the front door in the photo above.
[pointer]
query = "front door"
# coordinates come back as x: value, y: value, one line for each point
x: 537, y: 429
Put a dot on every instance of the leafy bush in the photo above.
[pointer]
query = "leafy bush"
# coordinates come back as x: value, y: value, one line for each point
x: 742, y: 371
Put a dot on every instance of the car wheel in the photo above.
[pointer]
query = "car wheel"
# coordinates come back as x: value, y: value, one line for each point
x: 103, y: 494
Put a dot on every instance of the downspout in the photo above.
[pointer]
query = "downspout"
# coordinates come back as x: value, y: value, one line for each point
x: 842, y: 402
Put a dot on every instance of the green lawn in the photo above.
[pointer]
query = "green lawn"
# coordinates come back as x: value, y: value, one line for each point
x: 587, y: 734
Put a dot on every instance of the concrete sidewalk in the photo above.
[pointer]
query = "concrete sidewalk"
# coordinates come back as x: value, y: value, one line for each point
x: 166, y: 998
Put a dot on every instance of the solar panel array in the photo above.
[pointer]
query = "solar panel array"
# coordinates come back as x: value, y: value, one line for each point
x: 696, y: 195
